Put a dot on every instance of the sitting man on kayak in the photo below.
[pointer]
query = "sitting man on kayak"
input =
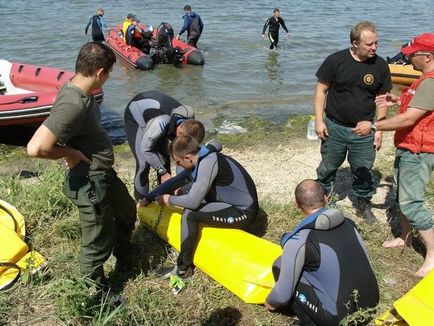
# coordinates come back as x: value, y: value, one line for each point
x: 324, y: 272
x: 222, y: 195
x: 136, y: 37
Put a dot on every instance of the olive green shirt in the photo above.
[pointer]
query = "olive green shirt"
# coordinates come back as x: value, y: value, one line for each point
x: 424, y: 97
x: 75, y: 119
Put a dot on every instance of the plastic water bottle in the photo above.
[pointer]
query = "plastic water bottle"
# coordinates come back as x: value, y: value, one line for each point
x: 311, y: 134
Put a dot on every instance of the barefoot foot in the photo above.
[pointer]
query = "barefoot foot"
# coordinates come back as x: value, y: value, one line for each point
x: 396, y: 243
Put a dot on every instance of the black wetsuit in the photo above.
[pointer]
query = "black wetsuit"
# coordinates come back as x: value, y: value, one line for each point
x: 273, y: 25
x: 150, y: 122
x: 96, y: 27
x: 324, y: 271
x: 222, y: 195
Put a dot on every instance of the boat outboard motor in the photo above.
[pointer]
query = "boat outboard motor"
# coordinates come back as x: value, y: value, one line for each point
x: 165, y: 36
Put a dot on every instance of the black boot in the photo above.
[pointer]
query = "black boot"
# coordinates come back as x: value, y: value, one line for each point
x: 364, y: 210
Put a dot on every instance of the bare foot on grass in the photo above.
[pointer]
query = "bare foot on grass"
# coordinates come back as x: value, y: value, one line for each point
x: 427, y: 266
x: 396, y: 243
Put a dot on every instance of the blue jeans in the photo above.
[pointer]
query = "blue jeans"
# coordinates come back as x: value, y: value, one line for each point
x: 340, y: 143
x: 412, y: 173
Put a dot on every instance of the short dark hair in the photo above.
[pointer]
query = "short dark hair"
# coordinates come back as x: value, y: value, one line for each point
x: 187, y: 8
x: 276, y: 10
x: 309, y: 194
x: 184, y: 145
x: 194, y: 128
x: 93, y: 56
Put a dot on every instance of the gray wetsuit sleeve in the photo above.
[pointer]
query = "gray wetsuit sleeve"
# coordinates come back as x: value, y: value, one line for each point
x: 206, y: 174
x: 155, y: 129
x: 292, y: 263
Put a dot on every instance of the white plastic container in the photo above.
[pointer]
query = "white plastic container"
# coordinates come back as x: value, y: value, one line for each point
x: 311, y: 134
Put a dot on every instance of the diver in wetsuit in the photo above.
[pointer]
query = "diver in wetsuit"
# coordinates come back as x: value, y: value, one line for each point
x: 273, y: 24
x: 324, y: 271
x: 222, y: 195
x: 97, y: 23
x: 152, y: 119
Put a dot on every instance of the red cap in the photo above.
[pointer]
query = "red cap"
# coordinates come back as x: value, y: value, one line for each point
x: 423, y: 42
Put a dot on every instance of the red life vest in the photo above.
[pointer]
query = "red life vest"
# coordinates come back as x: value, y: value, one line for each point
x: 418, y: 138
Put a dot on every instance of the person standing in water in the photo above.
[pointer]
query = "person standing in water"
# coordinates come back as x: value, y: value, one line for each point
x: 97, y: 23
x: 273, y: 24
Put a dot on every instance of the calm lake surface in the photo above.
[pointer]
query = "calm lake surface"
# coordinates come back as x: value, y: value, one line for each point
x: 241, y: 77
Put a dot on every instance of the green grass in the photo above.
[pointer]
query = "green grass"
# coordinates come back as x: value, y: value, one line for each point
x: 58, y: 295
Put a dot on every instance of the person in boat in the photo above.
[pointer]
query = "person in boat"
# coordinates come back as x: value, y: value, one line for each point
x: 414, y: 141
x: 324, y: 273
x: 137, y: 37
x: 152, y: 119
x: 96, y: 24
x: 222, y: 195
x: 73, y: 132
x: 126, y: 23
x: 273, y: 24
x: 348, y: 82
x: 193, y: 25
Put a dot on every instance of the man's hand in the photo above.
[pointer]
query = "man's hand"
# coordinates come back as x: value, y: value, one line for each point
x: 142, y: 203
x: 262, y: 36
x: 321, y: 129
x: 163, y: 200
x: 178, y: 36
x: 386, y: 100
x: 362, y: 128
x: 378, y: 140
x: 75, y: 158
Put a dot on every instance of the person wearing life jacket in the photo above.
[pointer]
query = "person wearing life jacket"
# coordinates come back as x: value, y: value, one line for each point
x: 135, y: 36
x: 193, y: 25
x: 324, y: 272
x: 222, y: 195
x: 126, y: 23
x: 414, y: 141
x: 97, y: 23
x: 152, y: 119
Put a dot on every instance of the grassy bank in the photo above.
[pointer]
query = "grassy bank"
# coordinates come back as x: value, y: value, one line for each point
x: 58, y: 294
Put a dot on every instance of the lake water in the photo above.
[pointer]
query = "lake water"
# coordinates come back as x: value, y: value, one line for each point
x: 241, y: 77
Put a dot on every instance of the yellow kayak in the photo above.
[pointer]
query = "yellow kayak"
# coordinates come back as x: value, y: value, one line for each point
x: 403, y: 74
x: 238, y: 260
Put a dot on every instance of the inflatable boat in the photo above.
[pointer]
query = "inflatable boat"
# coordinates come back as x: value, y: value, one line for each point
x: 238, y: 260
x: 144, y: 61
x: 403, y: 74
x: 27, y: 92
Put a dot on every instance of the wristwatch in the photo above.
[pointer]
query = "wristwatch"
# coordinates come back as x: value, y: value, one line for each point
x: 373, y: 127
x: 161, y: 171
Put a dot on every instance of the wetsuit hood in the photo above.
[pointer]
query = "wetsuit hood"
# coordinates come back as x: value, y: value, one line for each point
x: 324, y: 219
x: 203, y: 152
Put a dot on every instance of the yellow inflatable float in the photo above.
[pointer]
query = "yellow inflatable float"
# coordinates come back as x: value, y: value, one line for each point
x: 416, y: 307
x: 15, y: 257
x: 238, y: 260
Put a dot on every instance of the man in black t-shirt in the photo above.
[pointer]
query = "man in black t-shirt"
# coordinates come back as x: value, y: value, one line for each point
x: 348, y: 82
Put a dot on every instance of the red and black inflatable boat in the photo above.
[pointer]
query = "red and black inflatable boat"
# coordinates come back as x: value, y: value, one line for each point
x: 143, y: 61
x: 28, y: 92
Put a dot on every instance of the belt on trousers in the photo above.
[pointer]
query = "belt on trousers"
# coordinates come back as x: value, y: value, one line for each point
x: 343, y: 124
